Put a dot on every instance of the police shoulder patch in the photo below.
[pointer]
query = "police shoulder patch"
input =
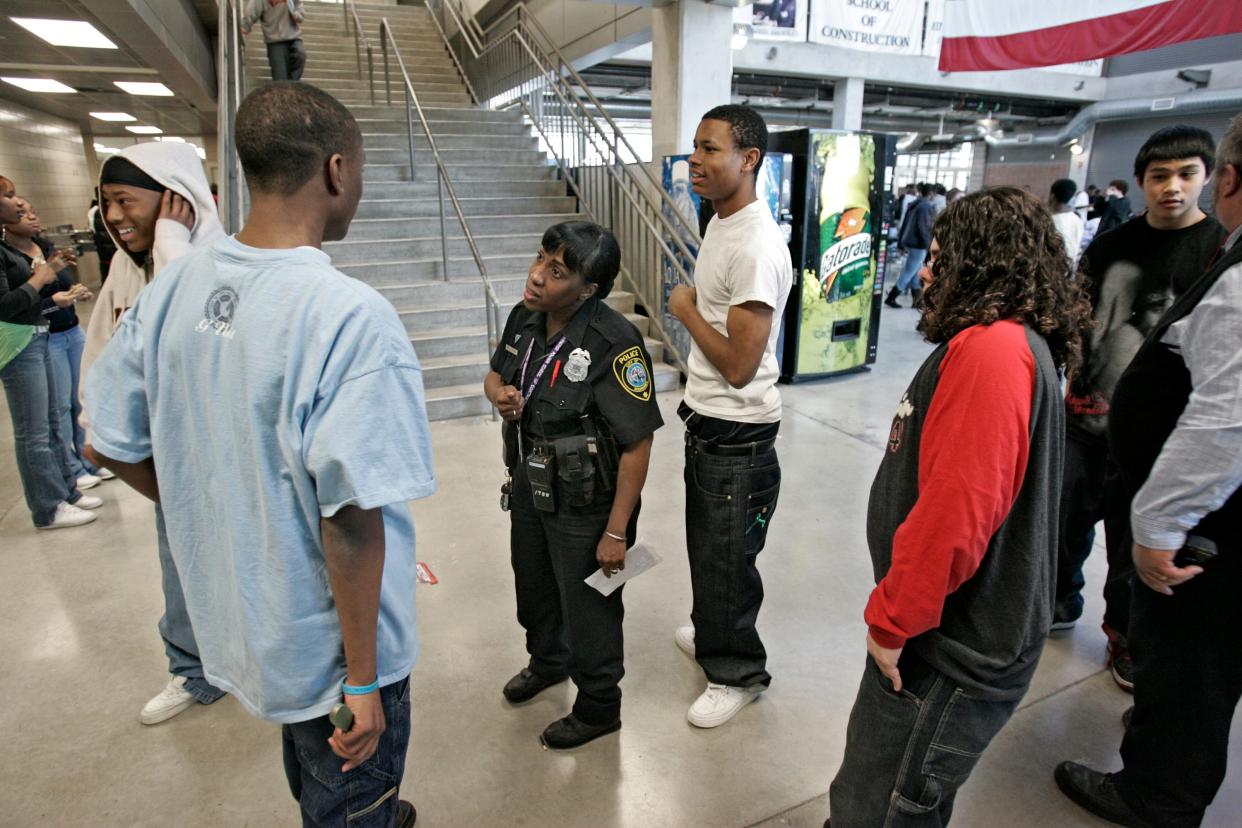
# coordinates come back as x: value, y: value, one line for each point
x: 631, y: 372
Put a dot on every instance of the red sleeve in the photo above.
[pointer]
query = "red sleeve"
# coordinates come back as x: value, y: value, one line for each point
x: 972, y: 459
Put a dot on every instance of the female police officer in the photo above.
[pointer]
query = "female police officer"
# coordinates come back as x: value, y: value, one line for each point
x: 573, y: 381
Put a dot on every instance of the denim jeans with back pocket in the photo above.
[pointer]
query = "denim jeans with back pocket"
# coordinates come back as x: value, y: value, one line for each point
x: 908, y: 753
x: 366, y: 797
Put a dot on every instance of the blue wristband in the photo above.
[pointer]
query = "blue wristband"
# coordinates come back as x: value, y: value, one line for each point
x: 349, y: 690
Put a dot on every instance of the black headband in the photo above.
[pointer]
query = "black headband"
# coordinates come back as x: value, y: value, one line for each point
x: 118, y: 170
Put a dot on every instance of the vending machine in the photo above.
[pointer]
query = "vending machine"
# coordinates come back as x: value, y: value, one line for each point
x: 838, y: 247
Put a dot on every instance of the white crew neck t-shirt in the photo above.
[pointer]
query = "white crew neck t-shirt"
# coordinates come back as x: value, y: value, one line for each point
x: 744, y: 258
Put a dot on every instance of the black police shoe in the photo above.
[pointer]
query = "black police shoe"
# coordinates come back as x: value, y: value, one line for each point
x: 406, y: 815
x: 526, y: 685
x: 1094, y: 791
x: 571, y: 733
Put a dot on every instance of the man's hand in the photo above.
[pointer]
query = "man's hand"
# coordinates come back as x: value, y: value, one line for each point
x: 886, y: 660
x: 509, y: 402
x: 1156, y: 569
x: 610, y: 553
x: 682, y: 300
x: 173, y: 206
x: 359, y: 744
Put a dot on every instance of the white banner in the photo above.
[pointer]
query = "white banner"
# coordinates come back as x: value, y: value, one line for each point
x: 893, y: 27
x: 775, y: 19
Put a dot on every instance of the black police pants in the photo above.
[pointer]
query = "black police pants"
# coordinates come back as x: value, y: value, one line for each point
x: 1092, y: 491
x: 730, y: 502
x: 1187, y: 683
x: 287, y: 59
x: 570, y: 628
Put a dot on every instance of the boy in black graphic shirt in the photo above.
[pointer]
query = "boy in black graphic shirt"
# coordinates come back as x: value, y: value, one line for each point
x: 1132, y: 273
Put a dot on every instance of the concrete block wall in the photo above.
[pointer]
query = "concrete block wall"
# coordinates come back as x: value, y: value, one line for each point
x: 45, y: 158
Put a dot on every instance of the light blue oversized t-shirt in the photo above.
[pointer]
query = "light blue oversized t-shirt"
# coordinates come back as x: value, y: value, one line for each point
x: 271, y: 390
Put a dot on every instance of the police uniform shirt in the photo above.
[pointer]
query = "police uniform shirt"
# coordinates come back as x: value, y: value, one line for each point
x: 599, y: 342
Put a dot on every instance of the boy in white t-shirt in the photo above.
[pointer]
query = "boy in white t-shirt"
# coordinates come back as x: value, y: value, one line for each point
x: 732, y: 409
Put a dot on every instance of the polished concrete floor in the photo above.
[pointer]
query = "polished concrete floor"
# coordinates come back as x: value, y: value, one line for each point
x: 77, y: 630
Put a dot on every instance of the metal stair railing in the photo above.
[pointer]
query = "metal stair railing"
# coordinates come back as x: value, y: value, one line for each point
x: 360, y: 42
x: 513, y: 63
x: 388, y: 44
x: 231, y: 89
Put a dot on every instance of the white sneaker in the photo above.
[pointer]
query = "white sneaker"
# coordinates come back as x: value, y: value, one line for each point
x: 105, y: 474
x: 685, y: 639
x: 89, y: 502
x: 173, y: 699
x: 719, y: 703
x: 66, y: 516
x: 88, y: 481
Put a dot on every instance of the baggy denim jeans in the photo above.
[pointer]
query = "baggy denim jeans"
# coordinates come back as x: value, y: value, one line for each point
x: 175, y: 628
x: 366, y: 797
x: 730, y: 501
x: 28, y: 385
x: 909, y: 277
x: 908, y: 753
x: 65, y: 352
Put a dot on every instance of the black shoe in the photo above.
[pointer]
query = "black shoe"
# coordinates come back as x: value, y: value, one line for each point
x: 1121, y: 665
x: 917, y: 295
x: 891, y: 301
x: 571, y: 733
x: 1127, y: 717
x: 526, y: 685
x: 406, y: 815
x: 1095, y: 792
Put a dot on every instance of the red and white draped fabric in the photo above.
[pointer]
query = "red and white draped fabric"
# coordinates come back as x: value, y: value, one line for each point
x: 982, y: 35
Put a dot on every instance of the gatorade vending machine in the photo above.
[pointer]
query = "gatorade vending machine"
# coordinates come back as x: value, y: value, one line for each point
x: 832, y: 320
x: 773, y: 187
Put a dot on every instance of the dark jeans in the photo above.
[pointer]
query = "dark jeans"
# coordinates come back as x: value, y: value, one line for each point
x: 907, y: 754
x: 366, y: 797
x: 287, y: 59
x: 29, y: 383
x: 1187, y: 682
x: 570, y: 628
x: 730, y: 502
x: 1091, y: 491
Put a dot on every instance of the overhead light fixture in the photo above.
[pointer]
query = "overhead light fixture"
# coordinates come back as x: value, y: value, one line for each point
x: 150, y: 88
x: 102, y: 150
x: 48, y: 85
x: 742, y: 33
x: 1075, y: 148
x: 113, y: 116
x: 145, y: 130
x: 75, y: 33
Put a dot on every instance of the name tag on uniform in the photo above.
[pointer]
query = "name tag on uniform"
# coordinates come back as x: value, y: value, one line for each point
x: 511, y: 349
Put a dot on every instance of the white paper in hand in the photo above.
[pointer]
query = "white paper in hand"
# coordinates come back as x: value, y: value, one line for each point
x: 638, y: 560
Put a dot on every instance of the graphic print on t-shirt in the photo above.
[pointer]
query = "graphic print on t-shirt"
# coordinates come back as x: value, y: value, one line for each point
x: 218, y: 313
x: 904, y: 409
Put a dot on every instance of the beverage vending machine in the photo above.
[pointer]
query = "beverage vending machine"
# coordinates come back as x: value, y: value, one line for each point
x: 838, y: 247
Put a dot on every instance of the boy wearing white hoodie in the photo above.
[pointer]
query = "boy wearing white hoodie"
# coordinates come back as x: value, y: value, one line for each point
x: 157, y: 207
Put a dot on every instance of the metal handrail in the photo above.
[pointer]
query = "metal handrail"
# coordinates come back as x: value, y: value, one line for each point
x: 360, y: 41
x: 491, y: 304
x: 232, y: 69
x: 634, y: 203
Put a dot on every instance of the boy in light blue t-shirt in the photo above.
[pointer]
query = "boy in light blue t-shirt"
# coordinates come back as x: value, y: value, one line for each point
x: 281, y: 405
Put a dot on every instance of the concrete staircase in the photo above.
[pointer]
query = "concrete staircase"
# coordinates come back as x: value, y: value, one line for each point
x: 508, y: 190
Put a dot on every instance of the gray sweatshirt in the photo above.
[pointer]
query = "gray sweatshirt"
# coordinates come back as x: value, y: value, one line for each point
x: 282, y: 19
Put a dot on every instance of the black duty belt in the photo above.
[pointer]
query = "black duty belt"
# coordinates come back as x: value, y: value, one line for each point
x: 731, y: 450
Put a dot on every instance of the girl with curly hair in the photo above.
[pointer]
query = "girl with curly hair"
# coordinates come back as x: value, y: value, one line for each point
x: 962, y: 521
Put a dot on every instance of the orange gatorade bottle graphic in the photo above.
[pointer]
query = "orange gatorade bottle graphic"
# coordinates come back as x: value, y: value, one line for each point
x: 847, y: 253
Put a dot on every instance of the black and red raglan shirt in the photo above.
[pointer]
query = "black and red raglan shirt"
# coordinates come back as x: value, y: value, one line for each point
x: 962, y: 520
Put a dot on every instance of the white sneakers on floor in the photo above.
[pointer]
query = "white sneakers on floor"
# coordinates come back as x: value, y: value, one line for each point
x: 105, y: 474
x: 89, y: 502
x: 719, y: 703
x: 685, y: 639
x: 173, y: 699
x: 88, y: 481
x: 67, y: 516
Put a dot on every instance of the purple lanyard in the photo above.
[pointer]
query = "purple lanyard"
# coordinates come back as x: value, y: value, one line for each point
x: 542, y: 368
